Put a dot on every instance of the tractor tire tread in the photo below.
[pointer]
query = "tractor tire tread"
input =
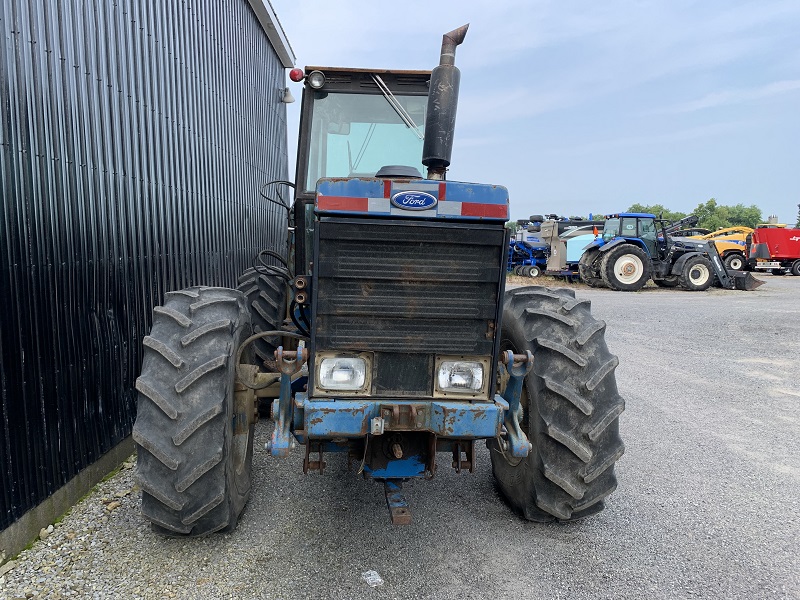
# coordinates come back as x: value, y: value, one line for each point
x: 266, y: 298
x: 180, y: 429
x: 573, y: 419
x: 589, y: 268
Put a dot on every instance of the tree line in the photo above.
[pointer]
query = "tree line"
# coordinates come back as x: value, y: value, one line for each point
x: 710, y: 214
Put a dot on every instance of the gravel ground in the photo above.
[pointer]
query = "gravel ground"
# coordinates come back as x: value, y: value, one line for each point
x: 707, y: 504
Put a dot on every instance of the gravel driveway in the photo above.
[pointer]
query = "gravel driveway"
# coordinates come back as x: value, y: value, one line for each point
x: 707, y: 504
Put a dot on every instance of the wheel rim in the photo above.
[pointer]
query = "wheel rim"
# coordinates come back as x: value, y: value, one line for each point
x: 628, y: 268
x: 534, y: 272
x: 699, y: 274
x: 736, y: 263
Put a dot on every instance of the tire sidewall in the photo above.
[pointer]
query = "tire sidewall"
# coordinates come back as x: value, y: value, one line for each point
x: 733, y: 259
x: 686, y: 276
x: 612, y: 258
x: 238, y: 480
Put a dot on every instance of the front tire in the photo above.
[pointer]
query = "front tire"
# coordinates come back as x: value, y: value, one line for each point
x: 571, y: 408
x: 796, y: 267
x: 625, y: 268
x: 194, y: 440
x: 697, y: 274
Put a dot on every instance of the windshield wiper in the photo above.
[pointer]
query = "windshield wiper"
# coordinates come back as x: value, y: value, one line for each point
x: 395, y: 104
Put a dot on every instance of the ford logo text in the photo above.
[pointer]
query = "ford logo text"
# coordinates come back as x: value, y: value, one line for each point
x: 414, y: 200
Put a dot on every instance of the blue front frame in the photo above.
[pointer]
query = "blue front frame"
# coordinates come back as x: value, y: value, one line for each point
x: 329, y: 419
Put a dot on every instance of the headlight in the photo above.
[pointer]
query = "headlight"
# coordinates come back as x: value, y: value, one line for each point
x: 348, y: 373
x: 460, y: 376
x: 316, y: 79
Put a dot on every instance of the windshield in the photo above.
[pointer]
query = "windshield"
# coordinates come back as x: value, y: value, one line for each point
x: 610, y: 229
x: 354, y: 135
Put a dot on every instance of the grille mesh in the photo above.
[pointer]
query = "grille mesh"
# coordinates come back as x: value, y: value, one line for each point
x: 407, y: 288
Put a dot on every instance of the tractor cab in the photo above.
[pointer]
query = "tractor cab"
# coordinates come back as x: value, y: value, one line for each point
x: 355, y: 122
x: 638, y: 228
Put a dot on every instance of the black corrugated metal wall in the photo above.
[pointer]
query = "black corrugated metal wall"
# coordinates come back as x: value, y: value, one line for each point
x: 134, y: 137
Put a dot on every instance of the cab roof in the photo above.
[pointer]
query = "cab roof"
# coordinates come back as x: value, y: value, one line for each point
x: 642, y: 215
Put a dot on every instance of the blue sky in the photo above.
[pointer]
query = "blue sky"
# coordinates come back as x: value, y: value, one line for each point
x: 585, y: 106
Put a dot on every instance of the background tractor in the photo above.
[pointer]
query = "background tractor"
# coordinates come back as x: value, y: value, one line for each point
x: 637, y: 247
x: 730, y: 243
x: 385, y: 333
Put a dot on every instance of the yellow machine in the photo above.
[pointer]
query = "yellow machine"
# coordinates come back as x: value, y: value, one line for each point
x: 730, y: 243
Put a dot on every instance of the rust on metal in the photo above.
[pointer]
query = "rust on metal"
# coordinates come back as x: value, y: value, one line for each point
x: 518, y: 358
x: 398, y: 507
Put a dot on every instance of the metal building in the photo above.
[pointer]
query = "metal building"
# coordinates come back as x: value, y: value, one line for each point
x: 135, y: 136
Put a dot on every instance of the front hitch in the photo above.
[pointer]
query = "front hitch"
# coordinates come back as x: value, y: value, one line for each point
x: 288, y: 362
x: 517, y: 366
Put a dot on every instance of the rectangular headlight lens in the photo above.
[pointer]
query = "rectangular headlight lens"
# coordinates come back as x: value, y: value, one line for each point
x: 464, y: 376
x: 342, y: 373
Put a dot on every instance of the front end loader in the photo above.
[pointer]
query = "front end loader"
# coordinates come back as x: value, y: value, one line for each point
x: 384, y: 331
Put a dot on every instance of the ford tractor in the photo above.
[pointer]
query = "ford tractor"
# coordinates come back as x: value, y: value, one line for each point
x: 382, y: 332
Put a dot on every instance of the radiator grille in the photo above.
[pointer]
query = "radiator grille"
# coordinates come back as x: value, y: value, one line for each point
x: 398, y: 288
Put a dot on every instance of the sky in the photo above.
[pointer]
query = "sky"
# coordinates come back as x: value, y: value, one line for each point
x: 581, y: 106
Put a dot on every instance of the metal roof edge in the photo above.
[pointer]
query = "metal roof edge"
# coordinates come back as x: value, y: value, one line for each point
x: 272, y: 27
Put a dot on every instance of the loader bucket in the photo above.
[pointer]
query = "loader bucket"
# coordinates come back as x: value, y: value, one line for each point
x: 745, y: 281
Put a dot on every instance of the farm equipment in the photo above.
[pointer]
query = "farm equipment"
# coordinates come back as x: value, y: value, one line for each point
x: 776, y: 249
x: 730, y: 243
x: 565, y: 239
x: 527, y: 254
x: 637, y: 247
x: 389, y: 339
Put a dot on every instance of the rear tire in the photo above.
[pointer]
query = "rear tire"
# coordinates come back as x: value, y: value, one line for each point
x: 193, y: 464
x: 571, y: 408
x: 589, y: 268
x: 735, y: 262
x: 534, y: 271
x: 266, y: 300
x: 796, y: 267
x: 625, y: 268
x: 697, y: 274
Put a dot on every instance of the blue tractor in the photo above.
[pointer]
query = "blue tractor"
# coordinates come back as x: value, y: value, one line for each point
x: 636, y: 247
x: 384, y: 332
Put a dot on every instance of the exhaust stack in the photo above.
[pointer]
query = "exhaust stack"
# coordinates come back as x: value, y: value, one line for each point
x: 442, y: 104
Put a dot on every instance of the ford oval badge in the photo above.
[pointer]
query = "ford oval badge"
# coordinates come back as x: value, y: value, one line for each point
x: 414, y: 200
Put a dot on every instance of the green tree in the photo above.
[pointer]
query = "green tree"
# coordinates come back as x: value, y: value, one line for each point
x: 657, y: 210
x: 715, y: 216
x: 748, y: 216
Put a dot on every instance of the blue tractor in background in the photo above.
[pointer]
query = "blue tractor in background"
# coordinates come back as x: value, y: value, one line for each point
x: 383, y: 332
x: 636, y: 247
